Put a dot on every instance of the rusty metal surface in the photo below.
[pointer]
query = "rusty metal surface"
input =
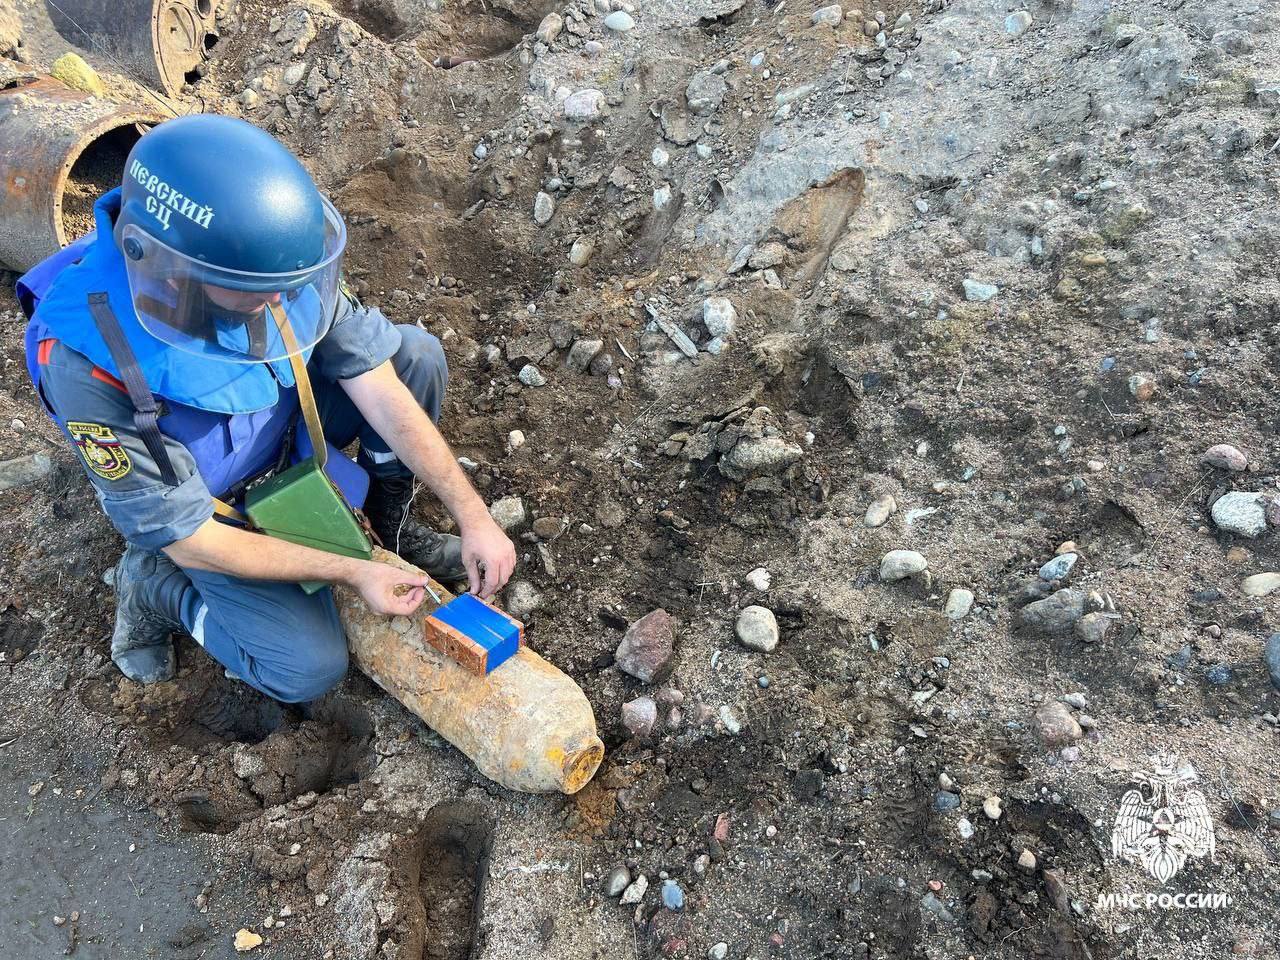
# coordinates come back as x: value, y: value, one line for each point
x: 44, y: 128
x: 156, y: 42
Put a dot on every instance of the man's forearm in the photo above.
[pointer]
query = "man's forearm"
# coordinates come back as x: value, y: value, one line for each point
x: 223, y: 548
x: 395, y: 415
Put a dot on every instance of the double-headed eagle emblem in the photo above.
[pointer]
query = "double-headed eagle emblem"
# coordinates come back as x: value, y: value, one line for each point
x: 1162, y: 830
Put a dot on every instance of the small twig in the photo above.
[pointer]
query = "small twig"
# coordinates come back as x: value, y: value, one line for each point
x: 7, y: 742
x: 1192, y: 491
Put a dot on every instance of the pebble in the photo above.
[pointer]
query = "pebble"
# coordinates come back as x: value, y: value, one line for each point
x: 1142, y: 386
x: 1260, y: 584
x: 718, y: 951
x: 508, y: 513
x: 703, y: 151
x: 1056, y: 726
x: 730, y: 721
x: 965, y: 828
x: 1240, y: 513
x: 880, y: 510
x: 1225, y: 457
x: 544, y: 207
x: 659, y: 158
x: 515, y: 440
x: 619, y: 21
x: 945, y: 800
x: 581, y: 251
x: 704, y: 92
x: 900, y: 564
x: 1027, y: 860
x: 640, y: 716
x: 1077, y: 700
x: 1057, y: 613
x: 294, y: 72
x: 619, y: 879
x: 1016, y: 24
x: 757, y: 629
x: 648, y: 647
x: 522, y: 599
x: 976, y: 291
x: 531, y: 376
x: 759, y: 579
x: 959, y: 603
x: 1218, y: 674
x: 993, y: 807
x: 584, y: 104
x: 830, y: 16
x: 1059, y: 567
x: 550, y: 28
x: 719, y: 316
x: 662, y: 197
x: 582, y: 353
x: 672, y: 895
x: 636, y: 890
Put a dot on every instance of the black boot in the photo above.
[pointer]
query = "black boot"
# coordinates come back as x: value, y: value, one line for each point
x: 388, y: 509
x: 149, y: 589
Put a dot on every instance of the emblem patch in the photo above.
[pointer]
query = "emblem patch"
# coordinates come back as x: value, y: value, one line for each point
x: 101, y: 449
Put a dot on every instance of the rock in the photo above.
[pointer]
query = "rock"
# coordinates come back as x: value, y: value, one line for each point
x: 930, y: 904
x: 758, y: 579
x: 1056, y: 726
x: 1225, y: 457
x: 900, y: 564
x: 976, y: 291
x: 1016, y: 24
x: 1059, y: 567
x: 1055, y: 886
x: 647, y: 649
x: 792, y: 94
x: 530, y: 348
x: 619, y: 879
x: 635, y: 892
x: 992, y: 806
x: 662, y: 197
x: 1056, y: 613
x: 964, y: 827
x: 881, y: 509
x: 719, y: 316
x: 246, y: 940
x: 1094, y: 627
x: 549, y: 528
x: 1260, y: 584
x: 639, y: 716
x: 581, y: 251
x: 1240, y: 513
x: 1142, y: 386
x: 294, y: 73
x: 718, y: 951
x: 601, y: 365
x: 249, y: 99
x: 731, y: 722
x: 1076, y: 700
x: 531, y: 376
x: 705, y: 92
x: 758, y: 456
x: 1271, y: 657
x: 619, y: 21
x: 672, y: 895
x: 582, y: 353
x: 544, y: 208
x: 550, y: 28
x: 660, y: 158
x: 757, y: 629
x: 959, y: 603
x: 945, y: 800
x: 830, y: 16
x: 522, y: 599
x: 584, y: 105
x: 1026, y: 860
x: 508, y: 513
x: 515, y: 440
x: 71, y: 69
x: 21, y: 471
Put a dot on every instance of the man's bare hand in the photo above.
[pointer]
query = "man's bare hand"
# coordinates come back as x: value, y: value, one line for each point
x: 489, y: 556
x: 389, y: 590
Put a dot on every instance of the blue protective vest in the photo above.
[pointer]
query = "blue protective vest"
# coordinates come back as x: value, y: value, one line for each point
x: 233, y: 418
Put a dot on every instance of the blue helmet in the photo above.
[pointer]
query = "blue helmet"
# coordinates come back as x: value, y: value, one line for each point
x: 218, y: 222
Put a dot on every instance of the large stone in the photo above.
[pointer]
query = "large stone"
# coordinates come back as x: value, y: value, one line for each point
x: 1225, y: 457
x: 544, y: 208
x: 901, y: 564
x: 1260, y: 584
x: 1240, y: 513
x: 830, y: 16
x: 718, y: 316
x: 1059, y: 567
x: 619, y: 21
x: 1056, y: 726
x: 582, y: 353
x: 705, y: 92
x: 508, y: 513
x: 522, y: 599
x: 1056, y: 613
x: 880, y: 510
x: 757, y: 628
x: 550, y: 28
x: 959, y: 603
x: 584, y: 105
x: 647, y: 649
x: 759, y: 456
x: 1094, y: 627
x: 529, y: 349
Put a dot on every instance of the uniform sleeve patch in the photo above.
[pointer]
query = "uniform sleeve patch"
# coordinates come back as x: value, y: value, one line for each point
x: 101, y: 449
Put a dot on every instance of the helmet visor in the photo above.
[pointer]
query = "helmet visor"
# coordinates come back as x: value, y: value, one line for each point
x: 224, y: 314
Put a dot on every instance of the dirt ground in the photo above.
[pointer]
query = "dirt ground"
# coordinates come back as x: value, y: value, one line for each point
x: 1013, y: 267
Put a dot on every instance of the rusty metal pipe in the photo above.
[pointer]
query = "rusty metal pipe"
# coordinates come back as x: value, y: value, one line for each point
x: 46, y: 129
x: 155, y: 42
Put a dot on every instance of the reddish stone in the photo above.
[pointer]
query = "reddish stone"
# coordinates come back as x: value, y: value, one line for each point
x: 648, y: 648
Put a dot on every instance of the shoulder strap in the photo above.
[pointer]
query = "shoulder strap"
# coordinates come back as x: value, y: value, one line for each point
x: 306, y: 398
x: 144, y: 403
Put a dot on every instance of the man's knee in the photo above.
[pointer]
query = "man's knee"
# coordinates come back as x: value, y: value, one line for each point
x: 320, y: 666
x: 420, y: 363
